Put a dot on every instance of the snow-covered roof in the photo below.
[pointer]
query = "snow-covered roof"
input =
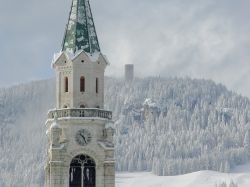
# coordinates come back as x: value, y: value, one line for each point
x: 80, y: 31
x: 72, y: 56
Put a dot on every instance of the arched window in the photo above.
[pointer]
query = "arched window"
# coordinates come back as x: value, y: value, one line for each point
x: 82, y: 84
x: 97, y: 85
x: 65, y: 106
x: 66, y: 84
x: 82, y: 171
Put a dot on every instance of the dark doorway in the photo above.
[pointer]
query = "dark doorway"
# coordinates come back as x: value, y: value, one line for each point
x: 82, y: 172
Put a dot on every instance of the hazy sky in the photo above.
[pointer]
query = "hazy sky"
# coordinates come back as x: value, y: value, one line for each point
x: 197, y: 38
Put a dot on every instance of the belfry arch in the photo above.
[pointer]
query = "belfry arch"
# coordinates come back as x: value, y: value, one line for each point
x: 82, y: 172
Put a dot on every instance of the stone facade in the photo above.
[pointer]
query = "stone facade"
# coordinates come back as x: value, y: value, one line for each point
x: 63, y: 148
x: 69, y: 118
x: 91, y: 68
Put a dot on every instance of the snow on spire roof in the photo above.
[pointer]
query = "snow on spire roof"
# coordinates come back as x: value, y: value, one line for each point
x: 80, y: 33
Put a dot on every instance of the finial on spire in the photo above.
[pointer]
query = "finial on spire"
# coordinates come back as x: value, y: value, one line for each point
x: 80, y: 33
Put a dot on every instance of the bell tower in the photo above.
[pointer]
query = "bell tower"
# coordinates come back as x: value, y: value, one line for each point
x: 80, y: 131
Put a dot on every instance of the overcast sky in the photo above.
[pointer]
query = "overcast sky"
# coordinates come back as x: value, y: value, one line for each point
x: 207, y: 39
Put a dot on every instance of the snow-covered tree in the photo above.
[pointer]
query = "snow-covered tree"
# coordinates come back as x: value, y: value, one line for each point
x: 188, y: 125
x: 232, y: 184
x: 247, y: 141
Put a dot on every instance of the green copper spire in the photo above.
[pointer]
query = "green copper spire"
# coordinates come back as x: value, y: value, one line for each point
x: 80, y: 31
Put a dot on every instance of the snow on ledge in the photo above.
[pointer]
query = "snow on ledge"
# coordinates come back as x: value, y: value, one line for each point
x: 93, y: 57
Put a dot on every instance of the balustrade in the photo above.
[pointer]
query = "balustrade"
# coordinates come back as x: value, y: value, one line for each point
x: 80, y: 113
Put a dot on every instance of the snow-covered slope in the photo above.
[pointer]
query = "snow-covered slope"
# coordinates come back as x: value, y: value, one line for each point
x: 23, y: 111
x: 178, y: 126
x: 239, y: 176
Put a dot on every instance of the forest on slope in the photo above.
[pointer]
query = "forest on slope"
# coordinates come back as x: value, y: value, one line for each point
x: 168, y: 126
x: 177, y: 126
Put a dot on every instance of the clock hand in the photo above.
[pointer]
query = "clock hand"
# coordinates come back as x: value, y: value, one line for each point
x: 83, y: 138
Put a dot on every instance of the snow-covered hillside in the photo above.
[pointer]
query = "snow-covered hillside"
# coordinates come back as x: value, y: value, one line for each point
x: 23, y: 111
x: 168, y: 126
x: 240, y: 177
x: 178, y: 126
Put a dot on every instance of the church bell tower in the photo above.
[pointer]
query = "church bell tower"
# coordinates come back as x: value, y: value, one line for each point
x: 80, y: 131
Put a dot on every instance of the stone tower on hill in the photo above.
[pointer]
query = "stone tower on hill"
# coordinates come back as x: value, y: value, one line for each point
x: 129, y: 72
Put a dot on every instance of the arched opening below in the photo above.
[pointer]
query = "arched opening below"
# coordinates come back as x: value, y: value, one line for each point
x: 82, y: 172
x: 82, y: 106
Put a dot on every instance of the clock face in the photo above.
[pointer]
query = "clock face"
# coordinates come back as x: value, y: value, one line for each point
x: 83, y: 137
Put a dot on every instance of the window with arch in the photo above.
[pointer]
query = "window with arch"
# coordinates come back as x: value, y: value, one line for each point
x: 97, y: 85
x: 66, y: 84
x: 82, y: 172
x: 82, y: 84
